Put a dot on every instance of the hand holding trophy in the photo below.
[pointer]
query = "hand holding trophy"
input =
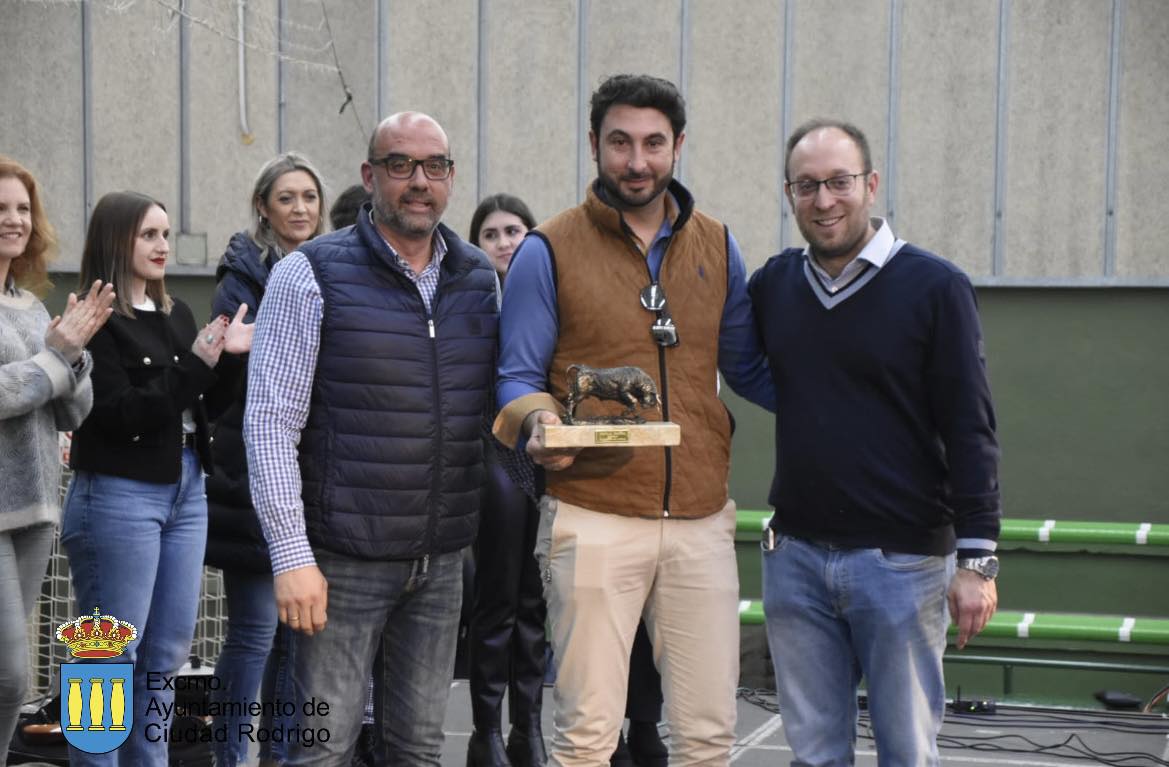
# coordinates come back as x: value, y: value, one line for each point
x: 630, y: 386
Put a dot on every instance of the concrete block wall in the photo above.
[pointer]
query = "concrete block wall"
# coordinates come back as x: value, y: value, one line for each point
x: 1023, y: 139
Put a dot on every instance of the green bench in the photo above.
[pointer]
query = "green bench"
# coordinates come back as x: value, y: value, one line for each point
x: 752, y: 522
x: 1010, y: 624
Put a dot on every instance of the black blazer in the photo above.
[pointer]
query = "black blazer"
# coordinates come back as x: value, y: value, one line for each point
x: 144, y: 376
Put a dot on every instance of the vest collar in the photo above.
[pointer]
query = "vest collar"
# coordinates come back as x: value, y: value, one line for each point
x: 604, y: 215
x: 455, y: 261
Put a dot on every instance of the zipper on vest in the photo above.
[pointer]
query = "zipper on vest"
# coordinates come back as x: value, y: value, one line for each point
x: 436, y: 480
x: 665, y: 417
x: 665, y: 392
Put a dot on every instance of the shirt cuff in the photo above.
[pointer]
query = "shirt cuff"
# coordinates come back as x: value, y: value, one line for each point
x: 508, y: 426
x: 984, y: 546
x: 290, y: 554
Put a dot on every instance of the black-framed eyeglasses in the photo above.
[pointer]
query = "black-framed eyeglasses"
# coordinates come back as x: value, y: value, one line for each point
x: 841, y: 185
x: 402, y: 166
x: 663, y: 329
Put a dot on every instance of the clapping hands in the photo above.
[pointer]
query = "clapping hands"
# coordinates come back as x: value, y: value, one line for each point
x: 219, y: 336
x: 69, y: 332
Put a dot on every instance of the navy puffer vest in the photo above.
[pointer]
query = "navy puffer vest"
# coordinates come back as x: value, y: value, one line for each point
x: 392, y: 456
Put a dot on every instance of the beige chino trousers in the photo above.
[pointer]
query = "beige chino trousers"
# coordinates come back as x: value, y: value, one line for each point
x: 604, y: 572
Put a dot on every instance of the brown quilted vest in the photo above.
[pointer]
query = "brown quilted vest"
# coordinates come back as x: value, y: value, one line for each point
x: 600, y: 273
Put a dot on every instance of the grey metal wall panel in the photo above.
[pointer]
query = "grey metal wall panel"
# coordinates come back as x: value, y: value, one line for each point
x: 532, y: 126
x: 335, y: 141
x: 1056, y: 147
x: 42, y: 126
x: 135, y: 103
x: 945, y: 151
x: 522, y: 73
x: 1142, y: 226
x: 432, y: 61
x: 841, y: 69
x: 637, y: 37
x: 733, y: 110
x: 224, y: 161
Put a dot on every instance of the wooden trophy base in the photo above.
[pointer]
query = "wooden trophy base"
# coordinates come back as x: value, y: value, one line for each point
x: 659, y: 433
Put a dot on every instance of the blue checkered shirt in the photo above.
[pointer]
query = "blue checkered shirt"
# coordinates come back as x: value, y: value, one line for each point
x: 281, y: 370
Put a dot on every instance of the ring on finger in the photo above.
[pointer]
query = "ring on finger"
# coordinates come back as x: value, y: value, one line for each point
x: 209, y: 338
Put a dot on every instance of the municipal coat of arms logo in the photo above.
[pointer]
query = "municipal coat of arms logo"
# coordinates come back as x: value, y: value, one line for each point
x: 97, y: 699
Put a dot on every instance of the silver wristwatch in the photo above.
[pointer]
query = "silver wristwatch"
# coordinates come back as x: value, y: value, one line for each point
x: 987, y: 567
x: 81, y: 362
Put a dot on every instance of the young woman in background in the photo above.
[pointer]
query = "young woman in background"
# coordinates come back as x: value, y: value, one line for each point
x: 506, y: 638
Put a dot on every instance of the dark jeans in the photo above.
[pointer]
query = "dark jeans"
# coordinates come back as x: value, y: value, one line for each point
x: 413, y: 611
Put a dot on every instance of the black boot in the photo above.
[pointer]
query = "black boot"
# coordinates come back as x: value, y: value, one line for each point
x: 525, y: 747
x: 621, y: 756
x: 486, y: 749
x: 365, y: 754
x: 646, y: 746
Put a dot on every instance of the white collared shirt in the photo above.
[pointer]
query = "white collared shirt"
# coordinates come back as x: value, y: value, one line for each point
x: 875, y: 252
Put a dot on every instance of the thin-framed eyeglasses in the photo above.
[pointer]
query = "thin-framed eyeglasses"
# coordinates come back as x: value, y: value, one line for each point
x: 663, y: 329
x: 807, y: 188
x: 402, y: 166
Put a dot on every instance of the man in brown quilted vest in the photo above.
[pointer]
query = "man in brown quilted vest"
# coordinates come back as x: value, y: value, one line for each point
x: 635, y: 275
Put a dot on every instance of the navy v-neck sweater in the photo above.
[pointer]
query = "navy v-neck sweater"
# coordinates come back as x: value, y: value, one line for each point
x: 884, y: 423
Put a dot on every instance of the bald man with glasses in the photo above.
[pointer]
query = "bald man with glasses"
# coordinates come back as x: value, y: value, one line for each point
x: 369, y: 380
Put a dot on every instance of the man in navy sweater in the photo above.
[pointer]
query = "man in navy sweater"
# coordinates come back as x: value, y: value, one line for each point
x: 885, y: 492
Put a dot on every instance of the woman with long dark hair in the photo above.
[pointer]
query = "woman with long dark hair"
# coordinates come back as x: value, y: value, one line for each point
x: 135, y: 519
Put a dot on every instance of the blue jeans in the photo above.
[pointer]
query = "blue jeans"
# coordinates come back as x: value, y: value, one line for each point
x: 251, y: 626
x: 275, y: 687
x: 414, y: 613
x: 136, y: 551
x: 835, y: 615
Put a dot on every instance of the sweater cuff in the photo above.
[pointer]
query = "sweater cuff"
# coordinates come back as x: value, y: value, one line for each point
x: 509, y: 423
x: 57, y: 369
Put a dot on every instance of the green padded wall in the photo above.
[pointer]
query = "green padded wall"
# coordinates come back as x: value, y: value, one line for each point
x: 1080, y: 379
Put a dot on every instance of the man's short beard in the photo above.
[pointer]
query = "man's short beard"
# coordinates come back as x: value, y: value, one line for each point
x: 397, y: 222
x: 619, y: 200
x: 824, y: 254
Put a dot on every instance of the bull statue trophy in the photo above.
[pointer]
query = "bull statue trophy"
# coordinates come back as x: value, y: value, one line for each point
x: 628, y: 386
